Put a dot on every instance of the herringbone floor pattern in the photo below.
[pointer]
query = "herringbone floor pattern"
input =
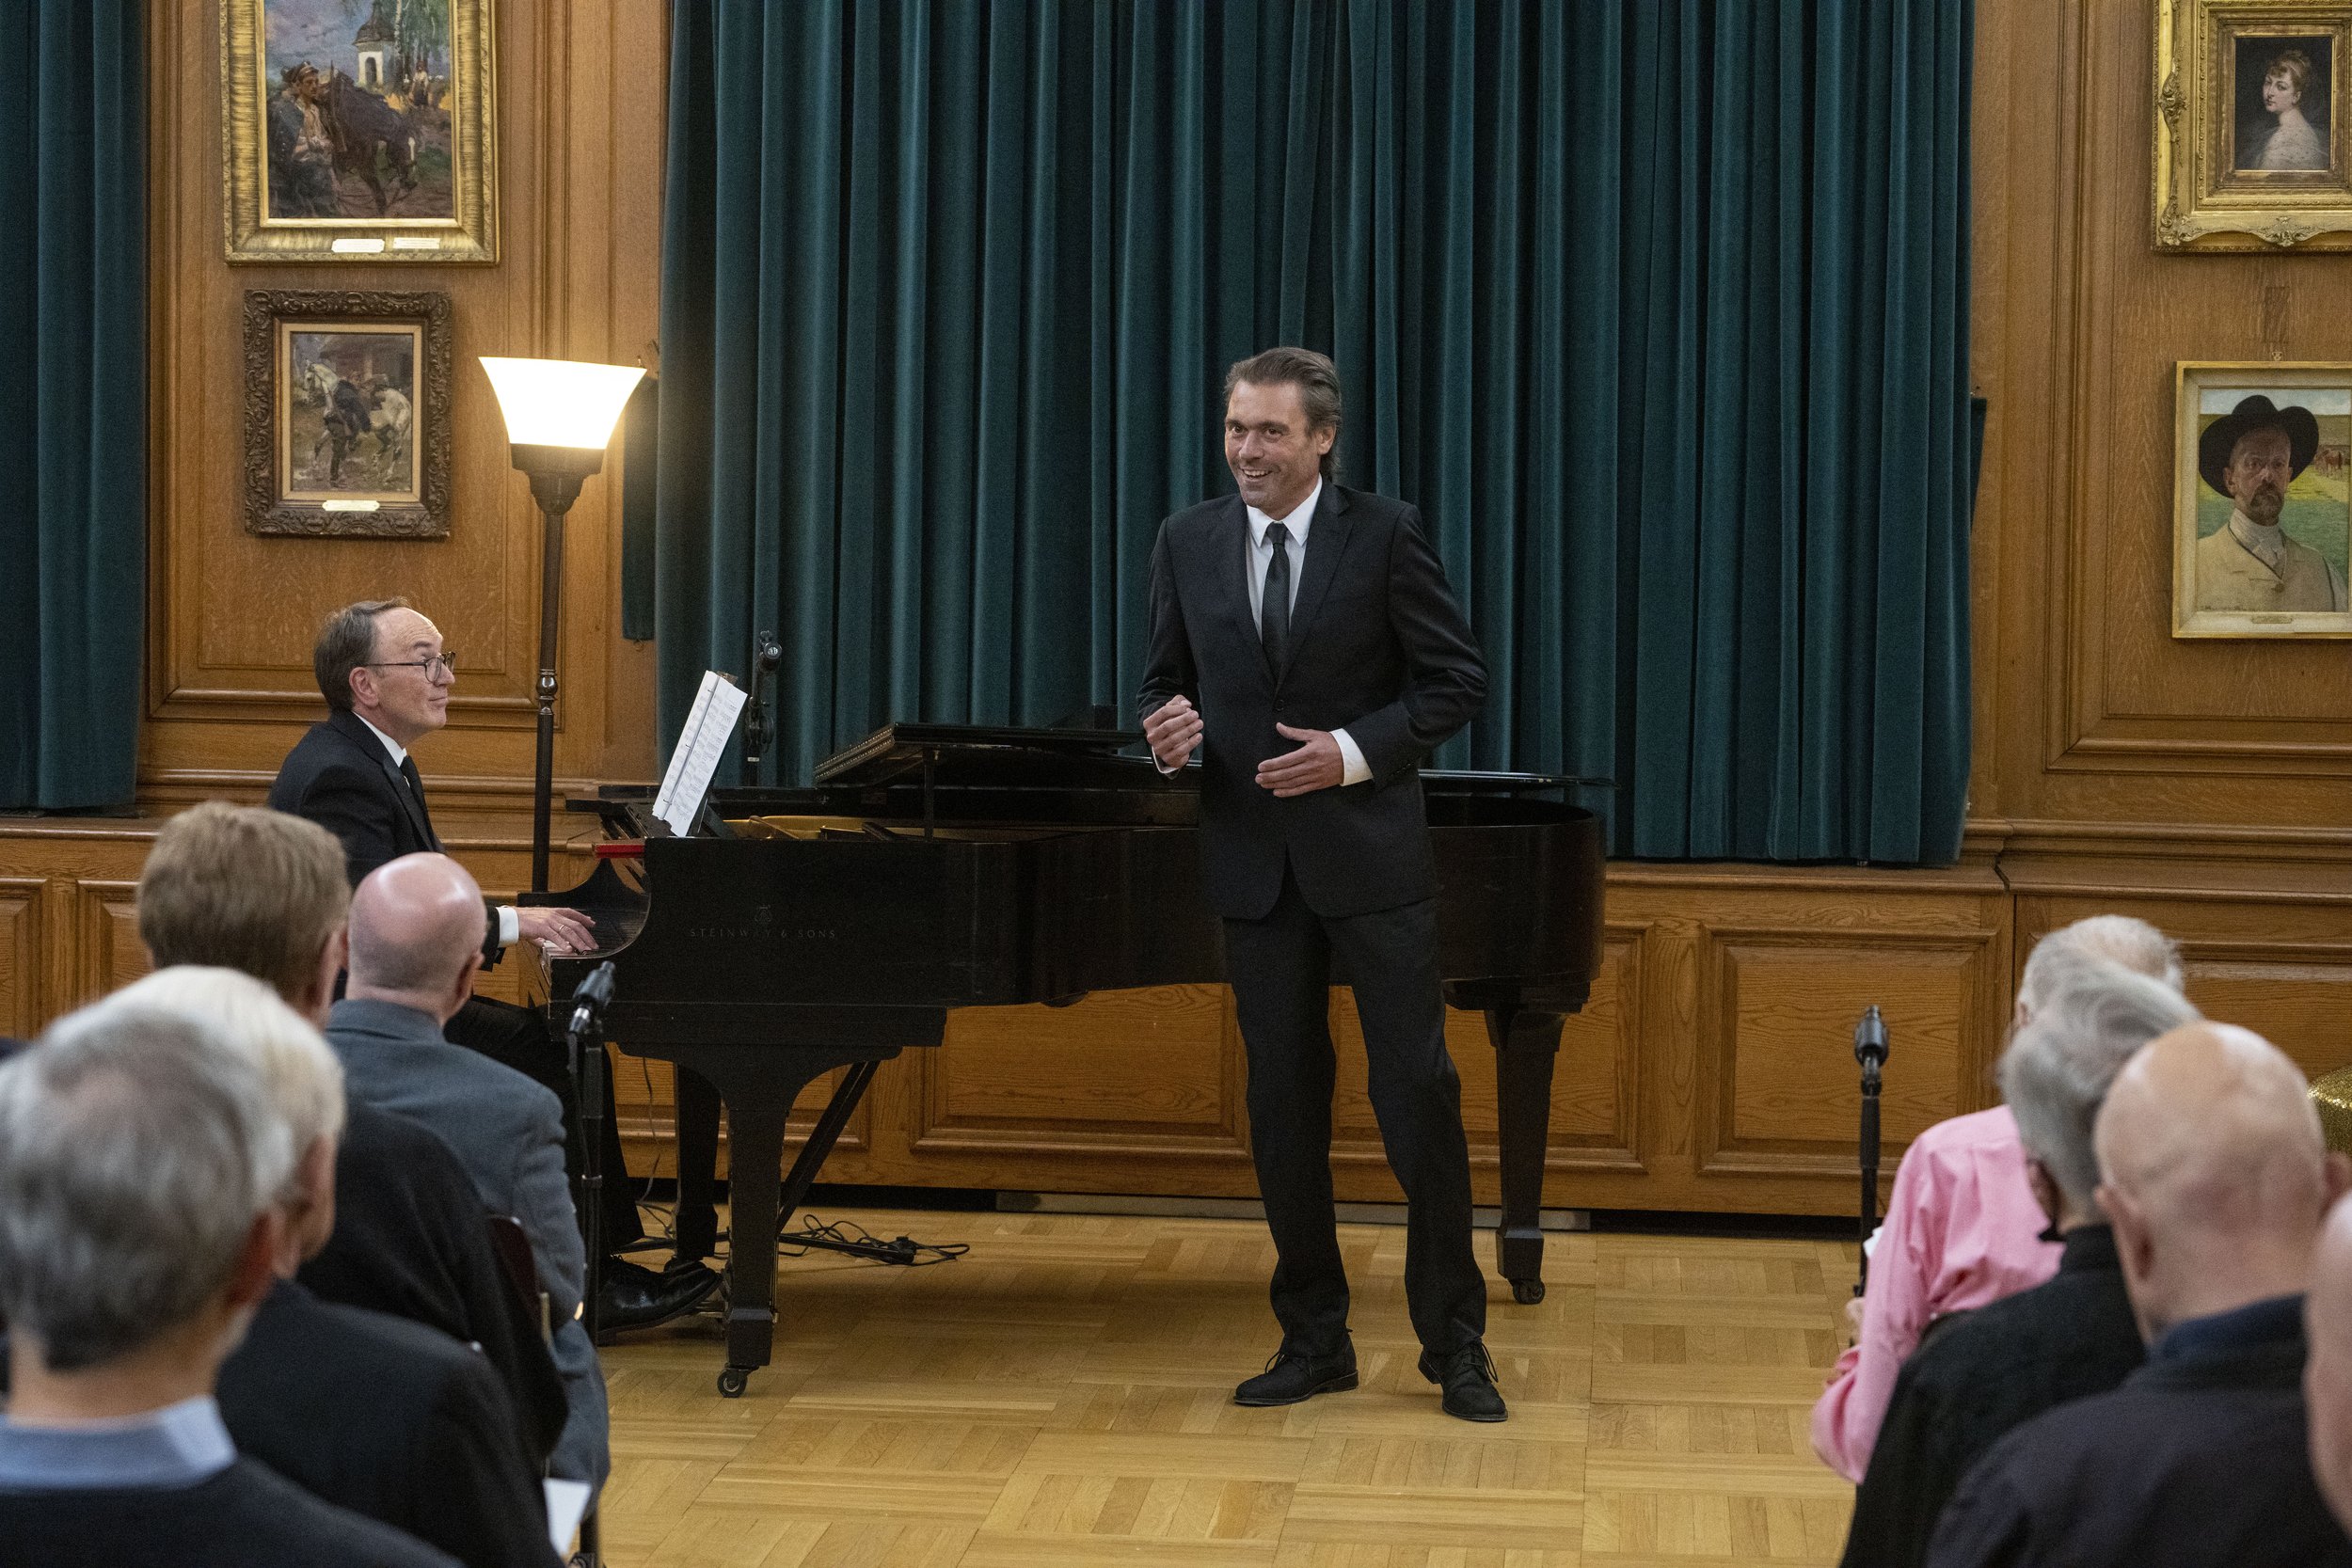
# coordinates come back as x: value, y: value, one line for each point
x: 1060, y: 1397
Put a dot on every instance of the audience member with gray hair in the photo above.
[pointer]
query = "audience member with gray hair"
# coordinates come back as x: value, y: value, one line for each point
x: 415, y: 927
x: 369, y: 1412
x: 262, y: 893
x: 2214, y: 1177
x: 142, y: 1165
x: 1963, y: 1228
x: 1997, y: 1366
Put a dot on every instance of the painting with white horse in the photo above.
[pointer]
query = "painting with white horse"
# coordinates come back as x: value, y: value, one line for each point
x: 349, y: 415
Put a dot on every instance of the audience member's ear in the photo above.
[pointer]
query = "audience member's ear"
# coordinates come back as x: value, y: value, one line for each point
x: 255, y: 1274
x: 318, y: 998
x: 2134, y: 1244
x: 2338, y: 1176
x: 2045, y: 1191
x: 466, y: 978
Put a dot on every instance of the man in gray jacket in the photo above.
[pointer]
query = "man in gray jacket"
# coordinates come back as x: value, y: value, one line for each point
x: 416, y: 943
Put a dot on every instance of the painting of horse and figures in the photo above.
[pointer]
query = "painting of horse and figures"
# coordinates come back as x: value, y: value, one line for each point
x: 359, y: 129
x: 346, y: 410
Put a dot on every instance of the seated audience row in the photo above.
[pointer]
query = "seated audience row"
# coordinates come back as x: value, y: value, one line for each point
x: 2151, y: 1403
x: 389, y: 1369
x: 1966, y: 1221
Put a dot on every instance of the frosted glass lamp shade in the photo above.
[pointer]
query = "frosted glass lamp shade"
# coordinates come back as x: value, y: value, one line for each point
x: 559, y: 403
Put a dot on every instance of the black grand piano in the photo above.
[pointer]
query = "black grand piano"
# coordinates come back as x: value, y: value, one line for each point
x: 934, y: 866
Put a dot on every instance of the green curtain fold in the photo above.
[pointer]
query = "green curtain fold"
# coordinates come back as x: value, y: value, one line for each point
x: 73, y: 409
x: 1657, y: 309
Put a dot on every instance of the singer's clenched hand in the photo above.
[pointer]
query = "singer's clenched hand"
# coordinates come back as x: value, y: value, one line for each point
x: 1173, y: 730
x: 558, y: 931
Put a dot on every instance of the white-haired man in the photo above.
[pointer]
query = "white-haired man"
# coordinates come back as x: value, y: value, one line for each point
x: 1962, y: 1224
x: 370, y: 1412
x: 2213, y: 1175
x: 1999, y: 1366
x: 140, y: 1161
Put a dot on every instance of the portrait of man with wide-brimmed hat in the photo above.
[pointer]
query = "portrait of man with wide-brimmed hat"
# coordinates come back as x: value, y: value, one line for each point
x: 2251, y: 456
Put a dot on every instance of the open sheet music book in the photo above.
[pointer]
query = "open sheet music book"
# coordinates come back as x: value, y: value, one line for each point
x: 699, y: 744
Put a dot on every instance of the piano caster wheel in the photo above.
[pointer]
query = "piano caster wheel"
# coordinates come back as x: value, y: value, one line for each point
x: 1527, y: 1292
x: 733, y: 1381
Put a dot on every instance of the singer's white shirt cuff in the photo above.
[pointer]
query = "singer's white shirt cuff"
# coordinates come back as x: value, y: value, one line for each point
x: 510, y: 925
x: 1357, y: 769
x: 1353, y: 769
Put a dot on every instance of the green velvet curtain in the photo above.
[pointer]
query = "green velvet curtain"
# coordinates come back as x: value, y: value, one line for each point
x: 73, y: 402
x: 1656, y: 308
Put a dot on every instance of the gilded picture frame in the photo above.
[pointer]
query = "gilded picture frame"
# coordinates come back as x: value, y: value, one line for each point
x: 347, y: 413
x: 2262, y: 522
x: 2253, y: 125
x: 358, y: 131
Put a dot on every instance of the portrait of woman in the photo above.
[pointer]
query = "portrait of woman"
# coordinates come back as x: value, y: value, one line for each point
x: 2284, y: 105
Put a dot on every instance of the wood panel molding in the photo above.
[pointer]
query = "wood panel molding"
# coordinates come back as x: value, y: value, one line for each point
x: 22, y: 1009
x: 107, y: 947
x: 1778, y: 1091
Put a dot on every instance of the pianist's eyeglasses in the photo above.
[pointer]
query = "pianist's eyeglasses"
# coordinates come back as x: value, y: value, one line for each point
x: 444, y: 663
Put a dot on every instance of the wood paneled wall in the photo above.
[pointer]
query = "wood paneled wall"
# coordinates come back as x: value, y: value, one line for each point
x: 2207, y: 785
x: 231, y: 617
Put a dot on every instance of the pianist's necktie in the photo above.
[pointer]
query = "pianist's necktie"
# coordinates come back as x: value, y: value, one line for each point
x: 416, y: 792
x: 1274, y: 604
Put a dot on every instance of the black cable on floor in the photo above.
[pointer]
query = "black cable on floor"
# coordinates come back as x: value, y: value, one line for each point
x: 849, y: 1237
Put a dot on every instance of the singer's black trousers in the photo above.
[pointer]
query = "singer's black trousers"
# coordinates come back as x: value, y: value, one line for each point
x: 1280, y: 971
x: 519, y: 1038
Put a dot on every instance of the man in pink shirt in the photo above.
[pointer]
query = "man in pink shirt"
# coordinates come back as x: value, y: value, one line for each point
x: 1966, y: 1221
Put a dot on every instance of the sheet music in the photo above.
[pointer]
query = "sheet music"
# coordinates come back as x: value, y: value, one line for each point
x: 699, y: 744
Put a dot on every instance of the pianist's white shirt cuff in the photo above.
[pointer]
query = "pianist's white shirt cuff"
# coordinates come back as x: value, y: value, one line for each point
x: 1357, y: 769
x: 510, y: 925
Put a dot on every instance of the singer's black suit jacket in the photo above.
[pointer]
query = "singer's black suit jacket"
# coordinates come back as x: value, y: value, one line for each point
x: 1377, y: 647
x: 341, y: 777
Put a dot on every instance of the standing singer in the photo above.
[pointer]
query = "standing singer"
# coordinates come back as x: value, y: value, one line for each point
x: 1304, y: 641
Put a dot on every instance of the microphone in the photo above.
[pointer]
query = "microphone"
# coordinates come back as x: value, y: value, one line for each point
x: 1869, y: 1038
x: 591, y: 996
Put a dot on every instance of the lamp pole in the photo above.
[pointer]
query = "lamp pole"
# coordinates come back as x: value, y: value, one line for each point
x: 556, y: 475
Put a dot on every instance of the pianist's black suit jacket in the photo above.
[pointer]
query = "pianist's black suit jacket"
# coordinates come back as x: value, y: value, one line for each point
x: 1377, y: 647
x: 341, y: 777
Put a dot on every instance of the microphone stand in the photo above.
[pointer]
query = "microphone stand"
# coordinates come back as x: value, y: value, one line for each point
x: 757, y: 731
x: 1869, y: 1049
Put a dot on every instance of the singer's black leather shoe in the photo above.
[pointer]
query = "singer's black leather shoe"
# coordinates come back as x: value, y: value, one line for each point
x: 1288, y: 1378
x: 633, y: 1296
x: 1467, y: 1377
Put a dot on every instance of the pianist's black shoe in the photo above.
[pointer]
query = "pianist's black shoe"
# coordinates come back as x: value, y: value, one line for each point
x: 1467, y: 1377
x: 1288, y: 1378
x: 636, y: 1297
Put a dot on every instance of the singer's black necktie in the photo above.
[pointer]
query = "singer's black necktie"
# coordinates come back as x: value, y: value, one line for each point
x: 416, y: 790
x: 1274, y: 606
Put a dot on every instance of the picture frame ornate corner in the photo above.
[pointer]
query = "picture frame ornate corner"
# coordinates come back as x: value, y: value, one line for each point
x: 2206, y: 195
x: 276, y: 321
x: 446, y: 125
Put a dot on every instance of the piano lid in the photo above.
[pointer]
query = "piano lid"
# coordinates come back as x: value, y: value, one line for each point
x: 1000, y: 756
x: 1008, y: 757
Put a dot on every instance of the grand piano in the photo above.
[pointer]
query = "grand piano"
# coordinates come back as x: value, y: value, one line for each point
x: 934, y: 866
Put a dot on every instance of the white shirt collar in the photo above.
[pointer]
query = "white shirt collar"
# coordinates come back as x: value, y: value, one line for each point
x: 1301, y: 517
x: 400, y: 752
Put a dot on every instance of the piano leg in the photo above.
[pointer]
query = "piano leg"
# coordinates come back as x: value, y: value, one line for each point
x: 759, y: 1085
x: 1526, y: 1044
x: 697, y: 1167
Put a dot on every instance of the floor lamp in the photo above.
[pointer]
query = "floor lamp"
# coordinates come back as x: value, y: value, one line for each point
x: 560, y: 415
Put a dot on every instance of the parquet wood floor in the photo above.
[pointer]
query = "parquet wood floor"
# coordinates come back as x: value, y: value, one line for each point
x: 1059, y: 1396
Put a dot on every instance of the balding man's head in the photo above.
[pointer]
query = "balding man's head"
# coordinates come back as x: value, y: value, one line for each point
x: 2213, y: 1171
x: 416, y: 934
x: 2327, y: 1370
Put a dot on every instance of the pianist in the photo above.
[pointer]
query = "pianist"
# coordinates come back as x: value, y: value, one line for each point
x: 1303, y: 639
x: 386, y: 679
